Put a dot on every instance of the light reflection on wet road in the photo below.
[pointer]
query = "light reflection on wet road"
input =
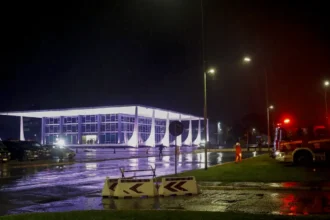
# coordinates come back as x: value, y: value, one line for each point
x: 78, y: 186
x: 36, y: 188
x: 248, y: 201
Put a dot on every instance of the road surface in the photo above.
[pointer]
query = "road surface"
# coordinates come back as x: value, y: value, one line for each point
x: 78, y: 186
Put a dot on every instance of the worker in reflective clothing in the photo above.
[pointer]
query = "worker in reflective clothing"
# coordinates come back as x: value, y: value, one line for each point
x: 238, y: 152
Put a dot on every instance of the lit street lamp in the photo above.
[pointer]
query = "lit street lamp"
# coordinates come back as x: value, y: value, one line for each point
x: 326, y: 85
x: 268, y: 128
x: 210, y: 72
x: 247, y: 59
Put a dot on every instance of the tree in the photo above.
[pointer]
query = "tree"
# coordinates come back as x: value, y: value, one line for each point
x: 247, y: 123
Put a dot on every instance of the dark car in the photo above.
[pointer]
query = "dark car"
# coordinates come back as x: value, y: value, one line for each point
x: 61, y: 152
x: 4, y: 153
x: 20, y: 151
x: 43, y: 152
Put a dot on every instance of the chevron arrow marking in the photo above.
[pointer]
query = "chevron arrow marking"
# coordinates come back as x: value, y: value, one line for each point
x: 134, y: 188
x: 113, y: 186
x: 169, y: 187
x: 179, y: 186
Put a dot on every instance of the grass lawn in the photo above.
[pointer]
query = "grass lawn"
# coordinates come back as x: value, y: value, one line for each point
x: 146, y: 215
x: 260, y: 169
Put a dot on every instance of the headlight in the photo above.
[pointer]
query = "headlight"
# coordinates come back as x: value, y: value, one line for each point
x: 9, y: 153
x: 277, y: 153
x: 0, y: 154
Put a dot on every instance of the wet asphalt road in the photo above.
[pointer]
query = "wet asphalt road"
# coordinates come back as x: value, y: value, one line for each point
x: 45, y: 188
x: 254, y: 202
x: 78, y: 187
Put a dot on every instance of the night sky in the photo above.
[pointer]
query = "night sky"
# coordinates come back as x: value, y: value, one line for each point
x: 148, y: 52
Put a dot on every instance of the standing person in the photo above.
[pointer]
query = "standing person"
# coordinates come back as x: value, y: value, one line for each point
x: 259, y: 145
x: 161, y: 147
x: 238, y: 152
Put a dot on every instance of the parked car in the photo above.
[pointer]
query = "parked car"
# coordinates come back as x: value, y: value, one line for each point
x: 20, y: 151
x: 43, y: 152
x: 61, y: 151
x: 4, y: 153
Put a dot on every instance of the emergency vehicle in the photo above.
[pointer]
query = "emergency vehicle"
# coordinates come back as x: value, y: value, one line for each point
x: 301, y: 145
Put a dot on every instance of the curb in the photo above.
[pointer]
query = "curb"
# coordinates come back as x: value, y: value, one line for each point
x: 10, y: 165
x: 225, y: 150
x: 298, y: 188
x: 232, y: 162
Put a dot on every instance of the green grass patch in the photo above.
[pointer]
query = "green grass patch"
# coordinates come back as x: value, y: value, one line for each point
x: 260, y: 169
x: 148, y: 215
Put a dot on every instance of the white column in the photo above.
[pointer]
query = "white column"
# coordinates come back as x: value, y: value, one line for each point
x: 134, y: 140
x: 188, y: 140
x: 42, y: 140
x: 166, y: 138
x: 79, y: 129
x: 179, y: 140
x: 21, y: 136
x: 207, y: 131
x: 125, y: 137
x: 197, y: 141
x: 152, y: 137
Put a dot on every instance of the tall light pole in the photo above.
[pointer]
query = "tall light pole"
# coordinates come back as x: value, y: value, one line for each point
x: 211, y: 72
x: 268, y: 126
x: 248, y: 59
x: 326, y: 85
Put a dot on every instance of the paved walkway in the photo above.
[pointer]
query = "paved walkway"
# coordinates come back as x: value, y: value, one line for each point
x: 323, y: 186
x: 232, y: 150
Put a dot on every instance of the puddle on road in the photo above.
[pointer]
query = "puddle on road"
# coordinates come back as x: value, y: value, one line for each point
x: 256, y: 202
x: 260, y: 195
x: 49, y: 200
x: 301, y: 203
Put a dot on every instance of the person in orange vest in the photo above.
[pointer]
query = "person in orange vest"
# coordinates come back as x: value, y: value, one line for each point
x: 238, y: 152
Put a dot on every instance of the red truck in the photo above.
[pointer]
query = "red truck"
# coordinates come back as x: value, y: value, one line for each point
x: 301, y: 145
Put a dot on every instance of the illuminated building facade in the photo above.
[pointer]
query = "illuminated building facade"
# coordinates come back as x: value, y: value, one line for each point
x: 113, y: 126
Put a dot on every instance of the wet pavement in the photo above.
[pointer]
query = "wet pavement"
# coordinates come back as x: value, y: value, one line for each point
x: 254, y: 202
x: 77, y: 186
x: 92, y: 154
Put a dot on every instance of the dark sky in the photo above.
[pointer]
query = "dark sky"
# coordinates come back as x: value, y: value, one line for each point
x: 92, y: 53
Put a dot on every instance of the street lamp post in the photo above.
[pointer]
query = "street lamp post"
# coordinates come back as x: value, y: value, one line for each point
x: 248, y: 59
x: 326, y: 85
x: 268, y: 126
x: 210, y: 71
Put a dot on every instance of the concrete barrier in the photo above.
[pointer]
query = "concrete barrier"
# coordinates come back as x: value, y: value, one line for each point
x: 129, y: 188
x: 178, y: 186
x: 109, y: 187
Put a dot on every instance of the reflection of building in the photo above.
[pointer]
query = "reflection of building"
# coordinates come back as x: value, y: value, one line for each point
x: 123, y: 125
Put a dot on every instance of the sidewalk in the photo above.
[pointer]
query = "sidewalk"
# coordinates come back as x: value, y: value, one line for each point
x: 252, y: 149
x: 319, y: 186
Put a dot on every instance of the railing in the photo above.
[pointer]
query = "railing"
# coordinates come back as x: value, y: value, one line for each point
x: 152, y: 170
